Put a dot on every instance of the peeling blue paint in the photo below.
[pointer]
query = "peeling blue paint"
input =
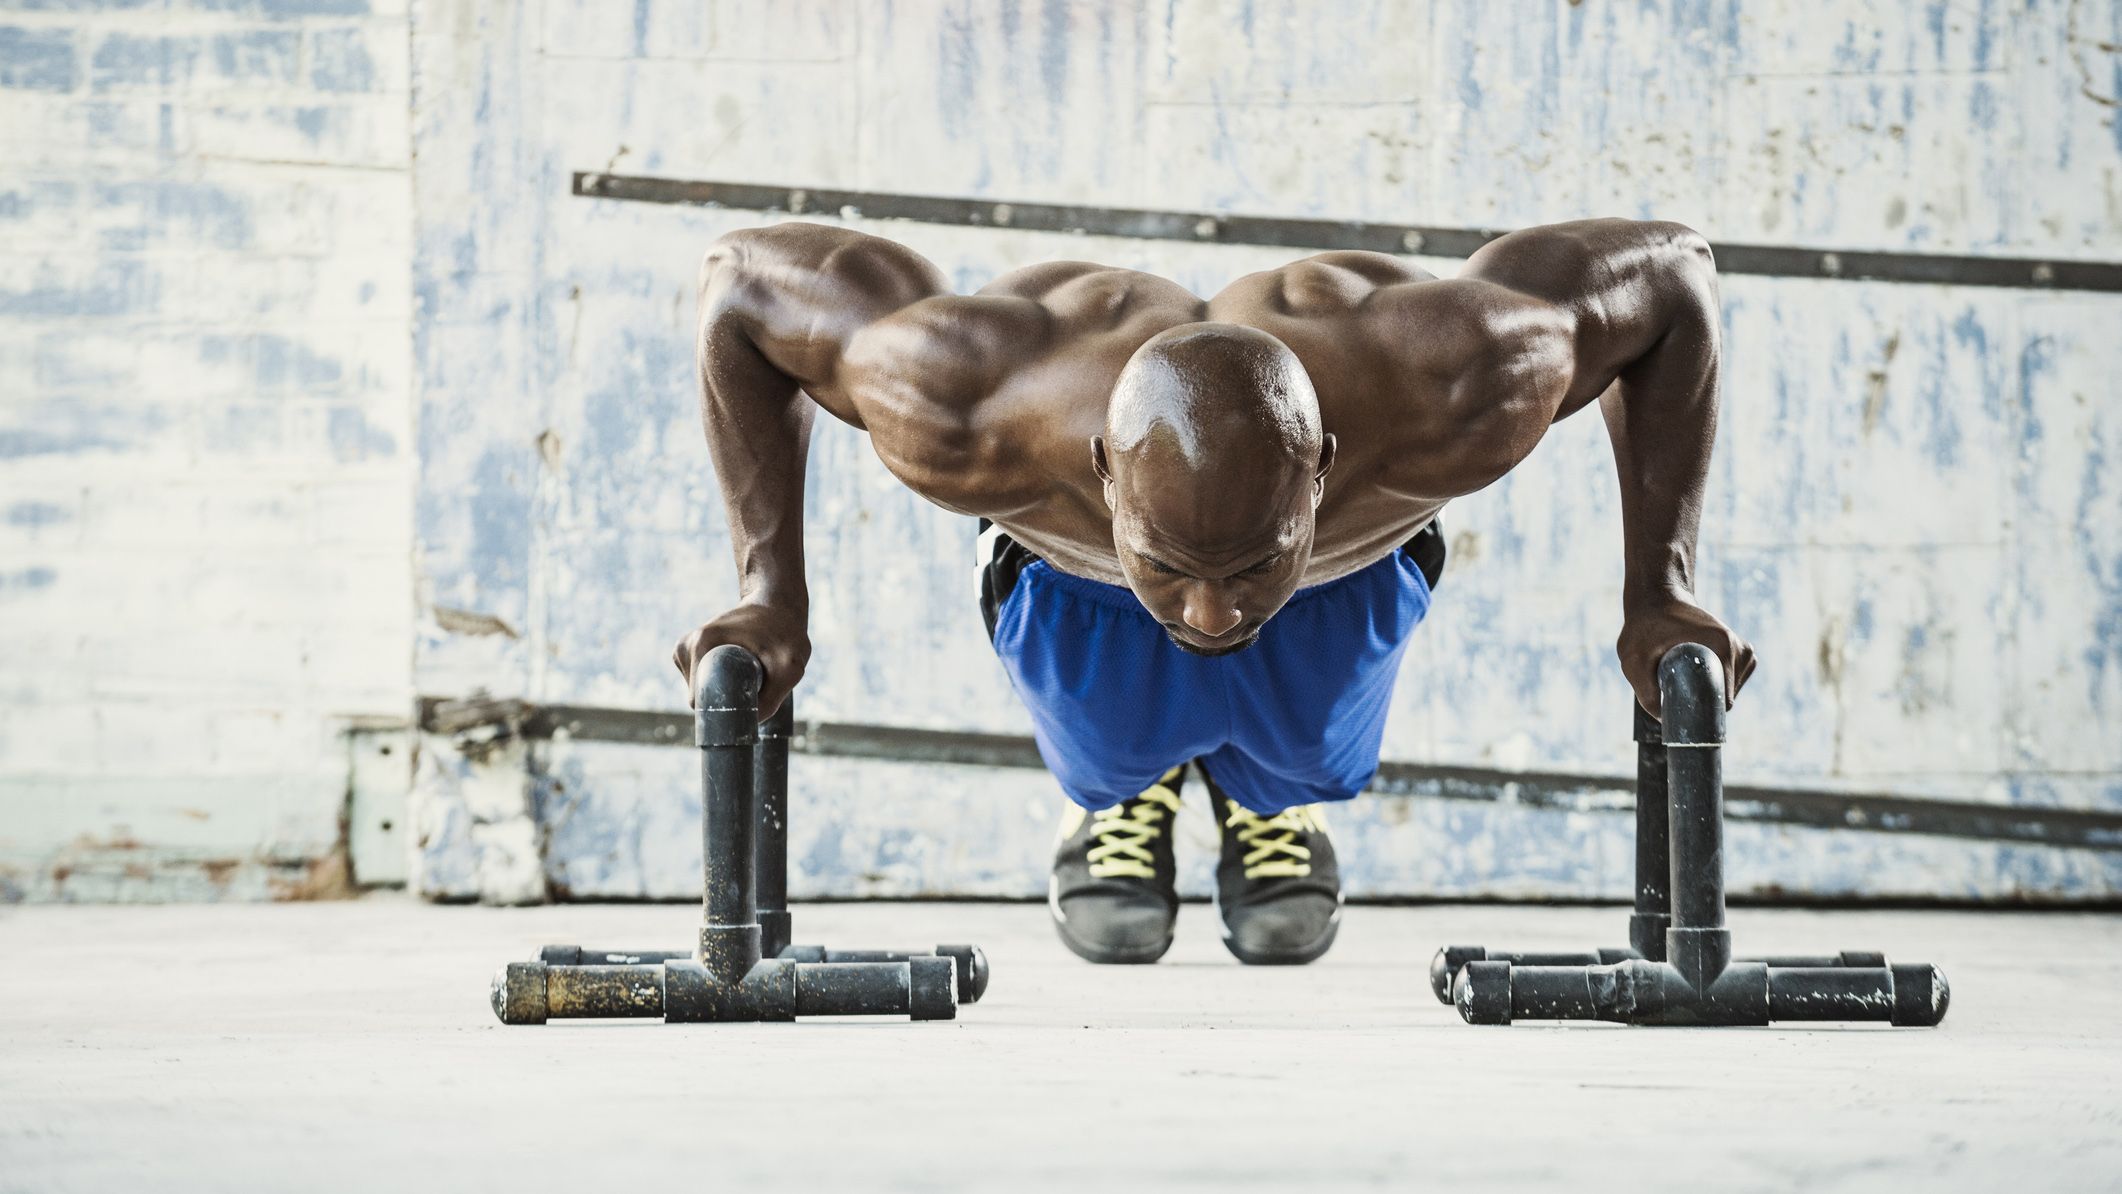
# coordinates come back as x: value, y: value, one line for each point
x: 85, y: 436
x: 37, y: 59
x: 37, y: 515
x: 1171, y: 39
x: 354, y: 439
x: 1941, y: 438
x: 288, y: 8
x: 180, y: 212
x: 499, y: 551
x: 282, y: 363
x: 2096, y: 515
x: 243, y: 429
x: 1469, y: 85
x: 340, y: 61
x: 1982, y: 107
x: 124, y: 60
x: 61, y: 366
x: 2036, y: 359
x: 314, y: 121
x: 1985, y: 41
x: 1861, y: 620
x: 1053, y: 67
x: 1934, y: 19
x: 110, y: 124
x: 257, y: 57
x: 116, y: 286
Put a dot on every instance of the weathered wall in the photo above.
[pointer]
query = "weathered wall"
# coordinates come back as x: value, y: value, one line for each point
x: 228, y: 284
x: 1911, y: 515
x: 205, y: 449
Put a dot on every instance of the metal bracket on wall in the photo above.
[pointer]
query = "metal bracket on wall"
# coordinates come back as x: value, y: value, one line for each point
x: 1780, y: 261
x: 2080, y: 829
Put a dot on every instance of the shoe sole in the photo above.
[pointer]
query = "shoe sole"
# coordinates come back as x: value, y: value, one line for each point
x: 1312, y: 952
x: 1101, y: 954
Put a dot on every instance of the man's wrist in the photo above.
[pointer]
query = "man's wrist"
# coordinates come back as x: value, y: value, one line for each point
x: 794, y: 600
x: 1658, y: 594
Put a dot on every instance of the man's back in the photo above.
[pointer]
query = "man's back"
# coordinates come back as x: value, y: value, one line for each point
x: 986, y: 403
x: 1410, y: 391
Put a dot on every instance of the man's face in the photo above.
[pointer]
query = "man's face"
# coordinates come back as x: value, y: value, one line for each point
x: 1214, y: 552
x: 1214, y: 601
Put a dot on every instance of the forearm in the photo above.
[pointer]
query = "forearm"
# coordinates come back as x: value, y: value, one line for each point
x: 1641, y: 297
x: 1662, y: 418
x: 1654, y: 334
x: 758, y: 433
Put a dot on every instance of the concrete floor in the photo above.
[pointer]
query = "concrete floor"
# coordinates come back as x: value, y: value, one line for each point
x: 350, y: 1047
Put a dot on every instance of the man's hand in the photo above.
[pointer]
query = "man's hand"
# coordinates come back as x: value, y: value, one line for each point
x: 1654, y: 628
x: 780, y: 639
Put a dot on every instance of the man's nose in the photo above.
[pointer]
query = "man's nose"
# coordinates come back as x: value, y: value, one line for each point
x: 1209, y: 612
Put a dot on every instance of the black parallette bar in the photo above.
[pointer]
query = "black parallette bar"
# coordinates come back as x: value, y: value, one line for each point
x: 770, y: 827
x: 1830, y: 993
x: 2080, y: 829
x: 582, y: 955
x: 1698, y: 983
x: 726, y: 708
x: 969, y: 962
x: 1653, y: 914
x: 923, y: 988
x: 1781, y: 261
x: 727, y: 841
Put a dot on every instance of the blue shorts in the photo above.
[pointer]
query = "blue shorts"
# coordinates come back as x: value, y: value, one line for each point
x: 1294, y: 719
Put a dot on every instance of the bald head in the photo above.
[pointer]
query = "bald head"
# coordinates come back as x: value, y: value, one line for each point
x: 1212, y: 459
x: 1201, y: 387
x: 1210, y: 429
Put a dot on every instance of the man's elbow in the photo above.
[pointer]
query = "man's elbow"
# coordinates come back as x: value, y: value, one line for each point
x: 731, y: 280
x: 722, y: 263
x: 1685, y: 269
x: 1688, y: 250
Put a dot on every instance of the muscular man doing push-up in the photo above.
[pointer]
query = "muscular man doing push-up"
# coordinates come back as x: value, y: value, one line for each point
x: 1210, y: 526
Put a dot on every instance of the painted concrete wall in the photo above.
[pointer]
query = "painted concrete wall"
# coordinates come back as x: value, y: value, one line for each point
x: 318, y: 390
x: 1912, y: 512
x: 205, y: 444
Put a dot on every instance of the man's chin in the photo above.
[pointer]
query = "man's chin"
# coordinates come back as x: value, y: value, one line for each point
x: 1213, y: 652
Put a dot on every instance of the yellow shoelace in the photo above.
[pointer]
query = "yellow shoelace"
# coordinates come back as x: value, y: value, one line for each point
x: 1125, y: 831
x: 1273, y: 836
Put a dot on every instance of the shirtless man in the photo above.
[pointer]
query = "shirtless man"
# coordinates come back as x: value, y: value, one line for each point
x: 1209, y: 526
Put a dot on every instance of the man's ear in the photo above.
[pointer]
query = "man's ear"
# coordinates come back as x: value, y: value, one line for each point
x: 1105, y: 474
x: 1327, y: 445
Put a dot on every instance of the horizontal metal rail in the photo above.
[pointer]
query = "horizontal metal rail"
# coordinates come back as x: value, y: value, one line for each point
x: 1560, y: 791
x: 1780, y: 261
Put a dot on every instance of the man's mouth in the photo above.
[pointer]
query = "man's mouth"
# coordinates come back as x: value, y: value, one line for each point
x: 1248, y: 634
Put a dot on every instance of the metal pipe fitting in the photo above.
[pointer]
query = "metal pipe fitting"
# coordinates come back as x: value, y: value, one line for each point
x: 1684, y: 974
x: 744, y: 968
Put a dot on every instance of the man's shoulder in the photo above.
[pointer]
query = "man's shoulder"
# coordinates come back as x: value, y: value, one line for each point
x: 1452, y: 325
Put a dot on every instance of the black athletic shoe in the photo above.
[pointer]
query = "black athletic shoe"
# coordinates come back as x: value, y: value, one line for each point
x: 1278, y: 890
x: 1112, y: 893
